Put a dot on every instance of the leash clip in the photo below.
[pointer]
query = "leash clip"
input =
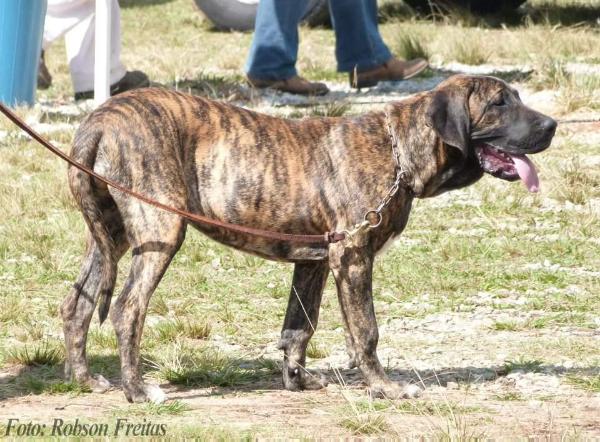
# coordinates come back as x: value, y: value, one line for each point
x: 355, y: 237
x: 363, y: 227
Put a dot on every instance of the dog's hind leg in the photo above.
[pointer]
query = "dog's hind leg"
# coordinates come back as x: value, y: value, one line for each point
x: 155, y: 237
x: 77, y: 310
x: 300, y: 323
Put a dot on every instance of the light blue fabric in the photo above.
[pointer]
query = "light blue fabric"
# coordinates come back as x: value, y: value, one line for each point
x: 274, y: 47
x: 21, y: 28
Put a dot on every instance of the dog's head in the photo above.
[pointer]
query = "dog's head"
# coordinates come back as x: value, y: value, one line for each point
x: 486, y: 128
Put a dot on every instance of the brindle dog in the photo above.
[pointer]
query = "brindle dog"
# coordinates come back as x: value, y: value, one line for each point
x: 297, y: 176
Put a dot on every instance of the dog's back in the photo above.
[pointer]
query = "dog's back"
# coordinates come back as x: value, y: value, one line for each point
x: 222, y: 161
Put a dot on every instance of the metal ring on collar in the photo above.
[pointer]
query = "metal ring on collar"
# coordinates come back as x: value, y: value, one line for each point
x: 379, y: 218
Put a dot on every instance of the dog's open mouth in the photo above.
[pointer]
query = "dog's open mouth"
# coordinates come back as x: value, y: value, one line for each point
x: 508, y: 167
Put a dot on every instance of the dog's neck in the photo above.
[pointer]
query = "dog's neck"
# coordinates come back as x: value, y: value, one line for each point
x: 420, y: 150
x: 431, y: 167
x: 403, y: 178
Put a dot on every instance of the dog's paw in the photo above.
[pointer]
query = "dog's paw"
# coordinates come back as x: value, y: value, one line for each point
x: 139, y: 392
x: 412, y: 391
x: 98, y: 384
x: 392, y: 390
x: 298, y: 378
x: 314, y: 382
x: 154, y: 394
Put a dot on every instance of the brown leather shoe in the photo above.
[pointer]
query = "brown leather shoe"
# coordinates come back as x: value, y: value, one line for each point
x: 392, y: 70
x: 295, y: 85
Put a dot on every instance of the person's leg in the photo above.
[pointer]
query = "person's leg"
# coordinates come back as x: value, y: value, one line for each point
x: 275, y: 44
x: 80, y: 45
x: 62, y: 16
x: 75, y: 19
x: 358, y: 42
x: 272, y: 58
x: 360, y: 50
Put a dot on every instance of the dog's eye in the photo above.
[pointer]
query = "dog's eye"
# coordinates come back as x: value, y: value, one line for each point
x: 499, y: 100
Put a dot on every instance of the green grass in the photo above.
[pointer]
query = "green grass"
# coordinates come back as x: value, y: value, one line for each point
x: 580, y: 92
x: 333, y: 109
x: 35, y: 355
x: 550, y: 74
x: 42, y: 379
x: 469, y: 52
x: 316, y: 350
x: 363, y: 417
x: 212, y: 86
x: 206, y: 367
x: 103, y: 338
x: 510, y: 396
x: 581, y: 184
x: 158, y: 306
x: 12, y: 311
x: 587, y: 383
x: 505, y: 326
x: 171, y: 408
x: 172, y: 330
x: 575, y: 91
x: 72, y: 388
x: 216, y: 316
x: 225, y: 432
x: 213, y: 62
x: 365, y: 424
x: 31, y: 384
x: 522, y: 364
x: 408, y: 47
x: 434, y: 408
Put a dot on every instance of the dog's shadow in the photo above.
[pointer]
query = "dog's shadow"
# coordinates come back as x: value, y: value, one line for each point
x: 352, y: 378
x: 262, y: 375
x: 18, y: 381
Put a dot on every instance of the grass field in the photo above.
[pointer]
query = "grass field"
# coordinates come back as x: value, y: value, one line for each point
x: 490, y: 298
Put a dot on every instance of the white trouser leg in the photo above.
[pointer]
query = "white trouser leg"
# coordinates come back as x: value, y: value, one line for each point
x: 75, y: 19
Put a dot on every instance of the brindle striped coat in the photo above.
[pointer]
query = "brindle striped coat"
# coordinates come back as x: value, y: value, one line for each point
x: 295, y: 176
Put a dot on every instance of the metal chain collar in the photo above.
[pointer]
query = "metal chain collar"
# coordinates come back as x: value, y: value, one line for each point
x: 392, y: 191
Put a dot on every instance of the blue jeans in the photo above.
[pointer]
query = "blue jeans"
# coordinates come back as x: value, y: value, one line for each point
x: 274, y: 48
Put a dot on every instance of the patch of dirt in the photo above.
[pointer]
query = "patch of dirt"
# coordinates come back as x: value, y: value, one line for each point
x: 457, y: 357
x: 497, y: 408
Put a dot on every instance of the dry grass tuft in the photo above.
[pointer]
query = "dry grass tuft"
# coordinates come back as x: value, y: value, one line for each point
x: 333, y: 109
x: 362, y: 417
x: 580, y: 92
x: 171, y: 408
x: 579, y: 183
x: 205, y: 367
x: 316, y: 350
x: 469, y: 52
x: 36, y: 355
x: 171, y: 330
x: 408, y: 46
x: 587, y: 383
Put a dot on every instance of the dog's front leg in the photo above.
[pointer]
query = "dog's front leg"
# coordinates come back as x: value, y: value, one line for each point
x: 300, y: 323
x: 352, y: 268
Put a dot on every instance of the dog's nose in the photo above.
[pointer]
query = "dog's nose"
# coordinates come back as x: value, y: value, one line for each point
x: 548, y: 125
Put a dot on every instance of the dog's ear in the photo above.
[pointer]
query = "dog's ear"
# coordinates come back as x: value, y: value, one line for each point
x: 448, y: 115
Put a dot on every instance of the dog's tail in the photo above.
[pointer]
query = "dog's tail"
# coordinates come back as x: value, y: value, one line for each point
x: 89, y: 195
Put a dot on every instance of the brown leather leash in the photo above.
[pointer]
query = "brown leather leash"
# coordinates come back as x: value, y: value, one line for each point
x: 324, y: 239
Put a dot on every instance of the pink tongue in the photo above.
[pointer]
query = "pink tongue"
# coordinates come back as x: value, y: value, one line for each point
x: 527, y: 172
